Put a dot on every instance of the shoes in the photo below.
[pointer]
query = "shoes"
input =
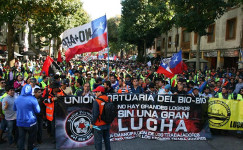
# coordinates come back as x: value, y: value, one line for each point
x: 240, y: 136
x: 13, y: 145
x: 2, y: 141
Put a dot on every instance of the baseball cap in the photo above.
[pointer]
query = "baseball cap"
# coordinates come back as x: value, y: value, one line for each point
x: 167, y: 86
x: 195, y: 87
x: 55, y: 84
x: 99, y: 89
x: 33, y: 80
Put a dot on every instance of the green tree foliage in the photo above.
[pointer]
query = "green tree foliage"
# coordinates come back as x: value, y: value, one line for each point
x: 113, y: 34
x: 46, y: 18
x: 196, y: 16
x: 115, y: 43
x: 141, y: 22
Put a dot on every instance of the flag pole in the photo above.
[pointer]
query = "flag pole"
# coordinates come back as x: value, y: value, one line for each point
x: 108, y: 48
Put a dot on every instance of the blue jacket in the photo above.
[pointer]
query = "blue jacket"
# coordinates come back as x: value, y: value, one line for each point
x: 26, y: 106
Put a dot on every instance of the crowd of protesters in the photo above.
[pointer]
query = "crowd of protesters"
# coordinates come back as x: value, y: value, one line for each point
x: 79, y: 79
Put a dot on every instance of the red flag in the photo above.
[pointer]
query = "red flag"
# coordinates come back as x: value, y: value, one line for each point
x: 59, y: 58
x: 50, y: 67
x: 115, y: 57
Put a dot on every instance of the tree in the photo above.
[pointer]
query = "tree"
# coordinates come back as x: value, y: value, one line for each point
x: 166, y: 23
x: 46, y: 18
x: 196, y: 16
x: 115, y: 43
x: 113, y: 34
x: 54, y: 17
x: 140, y: 23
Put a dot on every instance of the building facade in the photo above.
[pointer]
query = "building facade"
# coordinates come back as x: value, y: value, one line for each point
x: 221, y: 47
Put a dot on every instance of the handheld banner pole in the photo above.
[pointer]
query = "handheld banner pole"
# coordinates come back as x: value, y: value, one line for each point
x: 108, y: 51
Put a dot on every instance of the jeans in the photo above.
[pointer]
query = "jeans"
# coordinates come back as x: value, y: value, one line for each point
x: 39, y: 128
x: 103, y: 133
x: 31, y: 139
x: 4, y: 124
x: 12, y: 132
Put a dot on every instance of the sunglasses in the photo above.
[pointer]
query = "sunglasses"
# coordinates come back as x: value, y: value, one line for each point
x: 3, y: 82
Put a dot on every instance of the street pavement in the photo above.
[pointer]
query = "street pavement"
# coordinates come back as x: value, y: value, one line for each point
x: 218, y: 142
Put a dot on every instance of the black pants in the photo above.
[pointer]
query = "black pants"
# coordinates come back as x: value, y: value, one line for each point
x: 39, y: 128
x: 32, y: 136
x: 99, y: 134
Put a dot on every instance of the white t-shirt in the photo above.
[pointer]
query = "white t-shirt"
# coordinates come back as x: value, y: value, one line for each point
x: 33, y: 89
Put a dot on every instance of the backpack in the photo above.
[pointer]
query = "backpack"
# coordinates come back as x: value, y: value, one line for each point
x: 109, y: 112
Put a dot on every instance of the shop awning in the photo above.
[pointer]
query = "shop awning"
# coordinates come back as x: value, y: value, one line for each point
x: 31, y: 53
x: 193, y: 60
x: 17, y: 54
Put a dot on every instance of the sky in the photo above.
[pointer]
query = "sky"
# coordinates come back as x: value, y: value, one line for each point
x: 98, y: 8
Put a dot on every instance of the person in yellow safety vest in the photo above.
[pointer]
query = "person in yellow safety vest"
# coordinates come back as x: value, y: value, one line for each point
x: 37, y: 73
x: 50, y: 95
x: 225, y: 95
x: 10, y: 76
x: 18, y: 72
x: 90, y: 80
x: 44, y: 82
x: 239, y: 96
x: 190, y: 79
x: 2, y: 117
x: 216, y: 79
x: 42, y: 74
x: 79, y: 88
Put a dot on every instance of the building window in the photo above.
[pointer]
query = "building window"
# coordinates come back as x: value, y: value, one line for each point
x: 211, y: 33
x: 185, y: 36
x: 163, y: 43
x: 185, y: 39
x: 158, y: 45
x: 195, y: 38
x: 177, y: 40
x: 169, y: 42
x: 231, y: 29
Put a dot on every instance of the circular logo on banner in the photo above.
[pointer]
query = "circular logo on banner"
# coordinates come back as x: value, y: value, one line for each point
x: 77, y: 126
x: 218, y: 113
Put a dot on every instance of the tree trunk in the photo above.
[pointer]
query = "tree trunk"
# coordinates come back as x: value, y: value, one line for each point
x: 54, y: 48
x: 145, y: 51
x: 198, y: 52
x: 121, y: 54
x: 31, y: 45
x: 161, y: 45
x: 140, y: 52
x: 166, y: 44
x: 10, y: 41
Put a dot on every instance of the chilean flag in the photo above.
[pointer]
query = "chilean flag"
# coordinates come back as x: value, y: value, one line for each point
x: 176, y: 63
x: 164, y: 69
x: 90, y: 37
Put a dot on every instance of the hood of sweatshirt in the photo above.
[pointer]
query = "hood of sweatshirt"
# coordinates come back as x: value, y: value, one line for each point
x: 26, y: 90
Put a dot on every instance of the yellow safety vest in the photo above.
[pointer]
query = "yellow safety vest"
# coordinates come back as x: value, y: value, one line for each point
x: 230, y: 96
x: 239, y: 97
